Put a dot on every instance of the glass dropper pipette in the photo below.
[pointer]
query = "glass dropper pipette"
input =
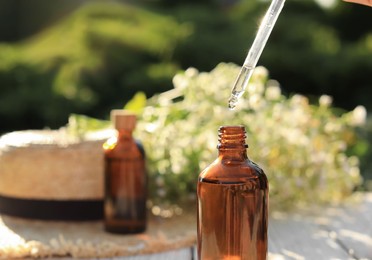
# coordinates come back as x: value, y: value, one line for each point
x: 255, y: 51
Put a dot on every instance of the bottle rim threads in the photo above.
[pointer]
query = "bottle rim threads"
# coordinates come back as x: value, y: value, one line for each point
x: 231, y: 137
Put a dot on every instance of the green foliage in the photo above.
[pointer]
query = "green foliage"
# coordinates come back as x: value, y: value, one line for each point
x: 364, y: 150
x: 311, y: 50
x: 137, y: 103
x: 323, y: 51
x: 99, y: 55
x: 302, y: 147
x: 216, y: 36
x: 80, y: 126
x: 102, y: 54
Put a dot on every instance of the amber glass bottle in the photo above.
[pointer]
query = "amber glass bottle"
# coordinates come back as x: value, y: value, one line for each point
x: 125, y: 178
x: 232, y: 203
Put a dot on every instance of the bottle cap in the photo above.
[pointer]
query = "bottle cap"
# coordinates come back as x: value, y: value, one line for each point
x: 123, y: 119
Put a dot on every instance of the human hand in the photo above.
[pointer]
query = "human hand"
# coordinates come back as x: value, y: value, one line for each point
x: 363, y: 2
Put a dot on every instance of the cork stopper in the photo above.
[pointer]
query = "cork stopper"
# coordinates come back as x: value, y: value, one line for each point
x: 123, y: 119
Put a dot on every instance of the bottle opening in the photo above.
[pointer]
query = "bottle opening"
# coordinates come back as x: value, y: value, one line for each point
x: 232, y: 137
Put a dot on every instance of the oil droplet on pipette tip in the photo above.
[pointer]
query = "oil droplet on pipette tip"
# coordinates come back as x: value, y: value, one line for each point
x: 234, y: 98
x: 232, y: 102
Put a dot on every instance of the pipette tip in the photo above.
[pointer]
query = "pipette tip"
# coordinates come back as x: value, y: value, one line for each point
x: 232, y: 102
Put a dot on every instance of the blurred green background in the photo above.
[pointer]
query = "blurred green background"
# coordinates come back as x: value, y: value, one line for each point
x: 78, y: 56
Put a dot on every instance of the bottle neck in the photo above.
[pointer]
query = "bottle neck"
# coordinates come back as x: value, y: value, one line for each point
x: 232, y: 145
x: 124, y: 134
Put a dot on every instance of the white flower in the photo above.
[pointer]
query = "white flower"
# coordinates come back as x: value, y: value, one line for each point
x: 325, y: 101
x: 255, y: 88
x: 151, y: 127
x: 332, y: 127
x: 358, y: 116
x: 298, y: 99
x: 260, y: 73
x: 273, y: 92
x: 255, y: 101
x: 191, y: 72
x: 180, y: 82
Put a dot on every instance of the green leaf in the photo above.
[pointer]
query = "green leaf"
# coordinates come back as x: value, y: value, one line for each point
x: 137, y: 103
x: 79, y: 125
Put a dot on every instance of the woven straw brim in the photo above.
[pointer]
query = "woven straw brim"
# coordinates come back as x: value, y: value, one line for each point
x: 22, y: 238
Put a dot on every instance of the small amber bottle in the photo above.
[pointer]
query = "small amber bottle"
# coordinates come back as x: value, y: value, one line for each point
x: 125, y: 178
x: 232, y: 203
